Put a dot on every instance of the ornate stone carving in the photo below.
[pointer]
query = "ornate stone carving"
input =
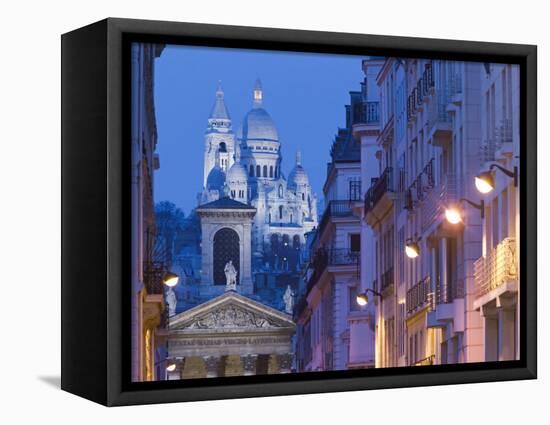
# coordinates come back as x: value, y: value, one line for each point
x: 230, y: 317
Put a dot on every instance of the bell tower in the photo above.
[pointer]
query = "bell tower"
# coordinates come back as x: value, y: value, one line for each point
x: 219, y: 140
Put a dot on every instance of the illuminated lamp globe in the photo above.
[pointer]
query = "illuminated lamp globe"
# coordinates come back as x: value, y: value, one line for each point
x: 362, y: 299
x: 485, y: 182
x: 171, y: 367
x: 170, y: 279
x: 453, y: 215
x: 412, y: 250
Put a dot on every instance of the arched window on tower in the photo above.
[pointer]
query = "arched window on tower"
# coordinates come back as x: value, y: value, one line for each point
x: 280, y: 212
x: 271, y: 171
x: 265, y: 170
x: 251, y: 171
x: 280, y: 191
x: 303, y: 196
x: 258, y: 171
x: 222, y: 147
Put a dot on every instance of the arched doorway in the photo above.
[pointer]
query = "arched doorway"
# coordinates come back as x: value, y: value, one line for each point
x: 226, y: 247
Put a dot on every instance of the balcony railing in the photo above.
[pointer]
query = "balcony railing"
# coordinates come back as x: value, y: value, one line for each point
x: 427, y: 79
x: 335, y: 209
x: 437, y: 110
x: 436, y: 200
x: 366, y: 113
x: 322, y: 258
x: 489, y: 147
x: 419, y: 296
x: 153, y: 271
x: 445, y: 294
x: 498, y: 267
x: 355, y: 193
x: 342, y: 257
x: 427, y: 361
x: 418, y: 189
x: 378, y: 188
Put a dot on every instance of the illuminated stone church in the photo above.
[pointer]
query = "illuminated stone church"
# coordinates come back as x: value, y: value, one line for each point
x: 246, y: 168
x: 251, y: 218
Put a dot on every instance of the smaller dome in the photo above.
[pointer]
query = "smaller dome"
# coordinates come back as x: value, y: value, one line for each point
x: 237, y: 173
x: 215, y: 179
x: 298, y: 175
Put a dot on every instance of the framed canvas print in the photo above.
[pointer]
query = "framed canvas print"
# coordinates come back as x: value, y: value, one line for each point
x: 252, y: 212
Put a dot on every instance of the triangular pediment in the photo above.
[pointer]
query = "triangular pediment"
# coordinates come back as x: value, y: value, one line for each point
x: 231, y: 311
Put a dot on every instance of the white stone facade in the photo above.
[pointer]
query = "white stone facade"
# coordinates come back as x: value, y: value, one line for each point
x: 424, y: 156
x: 497, y: 271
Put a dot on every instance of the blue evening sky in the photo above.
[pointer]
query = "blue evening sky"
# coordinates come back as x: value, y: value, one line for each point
x: 304, y: 93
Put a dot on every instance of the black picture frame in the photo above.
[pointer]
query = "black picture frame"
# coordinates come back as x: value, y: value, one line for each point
x: 95, y: 199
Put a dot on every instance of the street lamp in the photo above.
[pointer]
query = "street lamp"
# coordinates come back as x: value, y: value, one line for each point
x: 485, y: 182
x: 453, y: 215
x: 170, y: 279
x: 171, y: 367
x: 412, y: 249
x: 363, y: 298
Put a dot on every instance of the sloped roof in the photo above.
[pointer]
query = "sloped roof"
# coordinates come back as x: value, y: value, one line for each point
x: 225, y: 203
x: 229, y: 312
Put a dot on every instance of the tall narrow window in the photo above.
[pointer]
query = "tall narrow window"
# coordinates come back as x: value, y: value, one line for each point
x: 355, y: 242
x: 258, y: 171
x: 271, y: 171
x: 280, y: 212
x: 265, y: 170
x: 280, y: 191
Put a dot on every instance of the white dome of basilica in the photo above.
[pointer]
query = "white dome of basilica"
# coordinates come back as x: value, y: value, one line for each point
x: 258, y: 125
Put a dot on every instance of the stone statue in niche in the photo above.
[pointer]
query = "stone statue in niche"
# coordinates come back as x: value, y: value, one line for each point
x: 171, y: 300
x: 288, y: 298
x: 230, y: 276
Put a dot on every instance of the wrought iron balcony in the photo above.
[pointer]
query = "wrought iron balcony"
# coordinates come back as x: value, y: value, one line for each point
x: 322, y: 258
x: 413, y: 103
x: 366, y: 113
x: 427, y: 361
x: 343, y: 257
x: 498, y: 267
x: 378, y: 188
x: 419, y: 296
x: 418, y: 189
x: 428, y: 82
x: 355, y: 193
x: 335, y: 209
x: 445, y: 294
x: 153, y: 271
x: 502, y: 138
x: 436, y: 200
